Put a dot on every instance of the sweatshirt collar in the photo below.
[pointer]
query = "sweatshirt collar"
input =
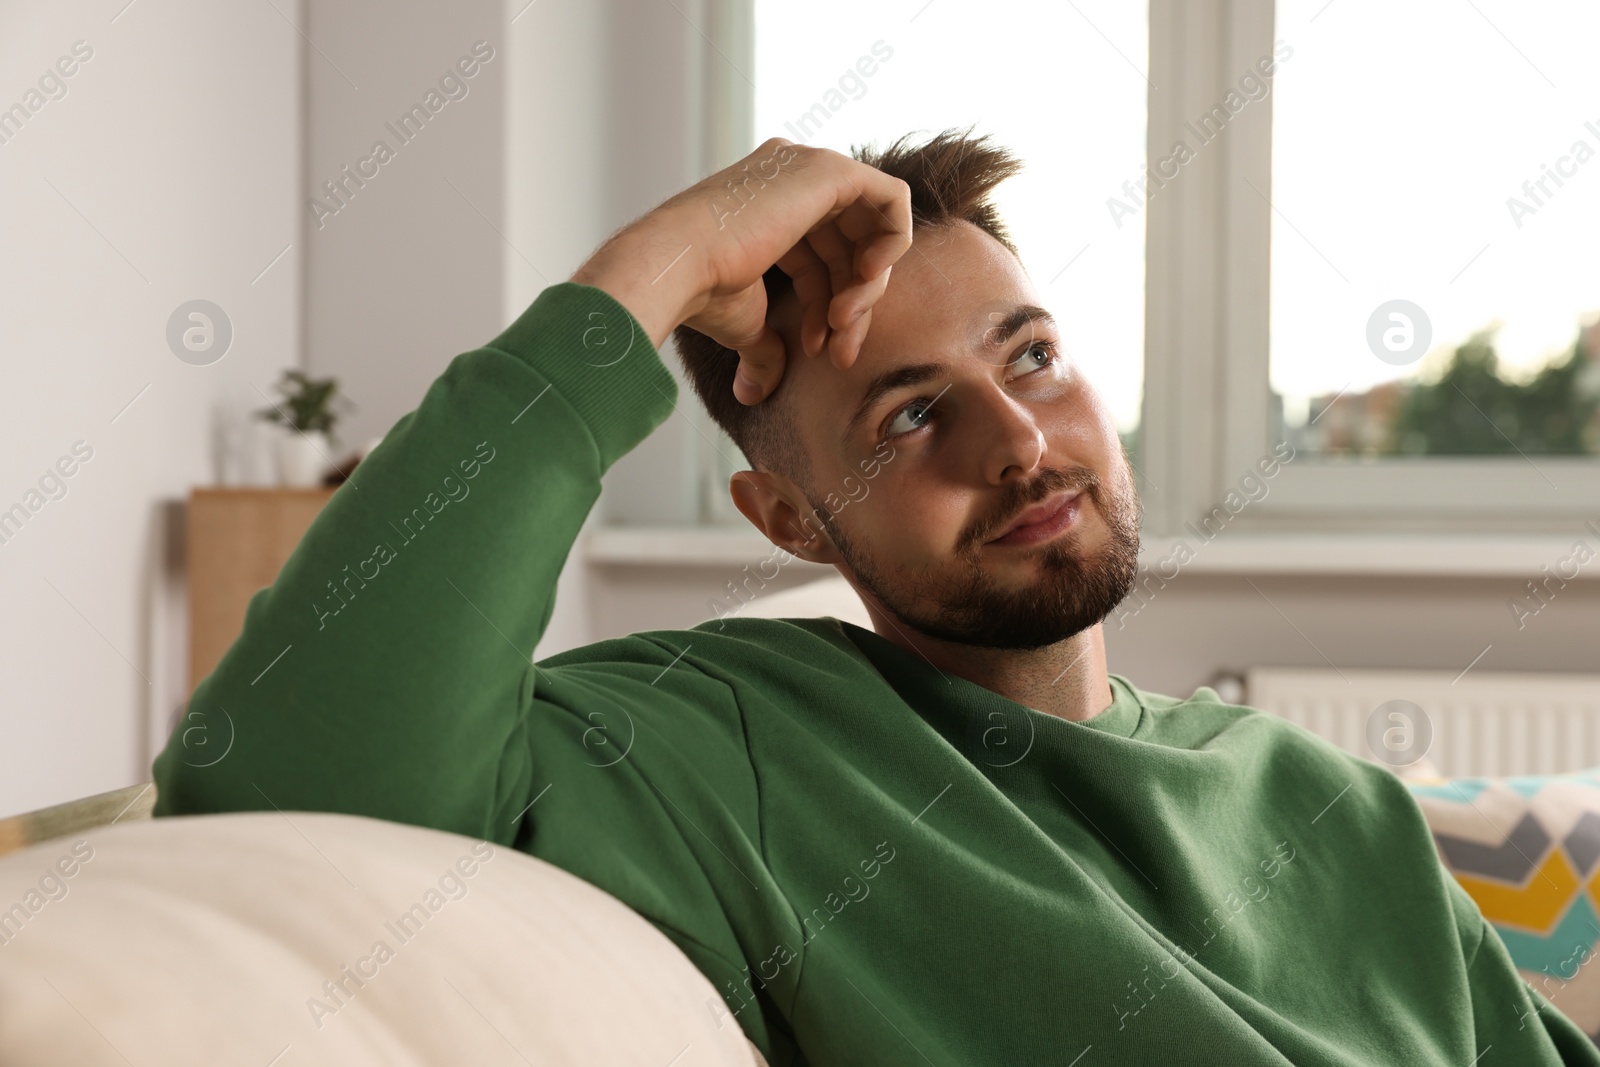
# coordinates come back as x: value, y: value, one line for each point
x: 988, y: 728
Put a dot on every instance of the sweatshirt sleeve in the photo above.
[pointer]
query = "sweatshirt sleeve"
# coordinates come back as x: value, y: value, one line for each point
x: 388, y: 669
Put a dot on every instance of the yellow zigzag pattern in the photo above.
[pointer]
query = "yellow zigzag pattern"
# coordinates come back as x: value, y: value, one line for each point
x: 1537, y: 906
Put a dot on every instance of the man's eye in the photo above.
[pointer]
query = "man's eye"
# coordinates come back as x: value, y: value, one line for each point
x: 911, y: 417
x: 1038, y: 355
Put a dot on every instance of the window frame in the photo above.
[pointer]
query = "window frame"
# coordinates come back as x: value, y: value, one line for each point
x: 726, y: 50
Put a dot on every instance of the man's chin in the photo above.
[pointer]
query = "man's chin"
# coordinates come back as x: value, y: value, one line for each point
x: 1016, y: 614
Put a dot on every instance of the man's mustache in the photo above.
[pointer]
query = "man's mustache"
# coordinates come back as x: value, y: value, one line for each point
x: 1019, y: 496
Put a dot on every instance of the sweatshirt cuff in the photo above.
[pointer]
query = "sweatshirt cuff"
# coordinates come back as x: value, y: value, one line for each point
x: 592, y: 351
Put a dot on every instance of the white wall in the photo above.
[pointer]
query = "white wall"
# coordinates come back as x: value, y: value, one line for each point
x: 1202, y: 624
x: 408, y: 273
x: 166, y: 173
x: 190, y: 142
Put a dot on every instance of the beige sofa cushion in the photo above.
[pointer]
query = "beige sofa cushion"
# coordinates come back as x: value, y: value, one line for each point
x: 298, y: 939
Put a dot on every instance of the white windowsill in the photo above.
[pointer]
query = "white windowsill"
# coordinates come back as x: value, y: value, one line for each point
x: 1421, y: 555
x: 690, y: 545
x: 1396, y: 555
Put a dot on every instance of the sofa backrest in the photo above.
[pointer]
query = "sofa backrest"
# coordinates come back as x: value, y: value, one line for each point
x: 234, y: 938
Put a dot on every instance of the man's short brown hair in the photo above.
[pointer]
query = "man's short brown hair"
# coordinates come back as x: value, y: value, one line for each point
x: 951, y: 176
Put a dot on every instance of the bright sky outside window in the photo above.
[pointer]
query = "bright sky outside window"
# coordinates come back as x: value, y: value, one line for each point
x: 1436, y: 173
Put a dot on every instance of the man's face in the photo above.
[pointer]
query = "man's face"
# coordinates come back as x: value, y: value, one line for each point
x: 967, y: 473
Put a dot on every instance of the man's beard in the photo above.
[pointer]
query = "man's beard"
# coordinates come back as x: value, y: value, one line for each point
x: 1071, y: 593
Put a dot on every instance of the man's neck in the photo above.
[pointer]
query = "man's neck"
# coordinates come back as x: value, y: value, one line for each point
x: 1067, y: 679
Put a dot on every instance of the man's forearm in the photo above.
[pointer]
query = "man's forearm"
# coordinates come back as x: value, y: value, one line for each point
x: 649, y: 271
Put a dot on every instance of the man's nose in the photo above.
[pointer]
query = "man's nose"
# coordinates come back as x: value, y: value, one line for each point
x: 1013, y: 444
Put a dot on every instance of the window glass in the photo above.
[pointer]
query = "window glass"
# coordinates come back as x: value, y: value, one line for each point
x: 1435, y: 281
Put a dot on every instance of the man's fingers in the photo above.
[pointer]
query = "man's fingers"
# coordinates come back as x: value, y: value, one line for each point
x: 881, y: 252
x: 845, y: 344
x: 866, y: 232
x: 839, y: 265
x: 892, y: 198
x: 837, y: 251
x: 880, y: 218
x: 760, y: 368
x: 867, y: 245
x: 847, y: 305
x: 811, y: 284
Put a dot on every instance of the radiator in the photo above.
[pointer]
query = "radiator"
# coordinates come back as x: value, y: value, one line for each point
x: 1482, y: 723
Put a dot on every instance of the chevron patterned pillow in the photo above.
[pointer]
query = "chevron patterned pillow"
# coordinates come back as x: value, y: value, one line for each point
x: 1527, y: 850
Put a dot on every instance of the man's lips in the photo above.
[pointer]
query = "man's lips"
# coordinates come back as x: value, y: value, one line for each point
x: 1042, y: 522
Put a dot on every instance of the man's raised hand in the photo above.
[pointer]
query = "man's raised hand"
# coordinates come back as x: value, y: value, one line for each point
x: 833, y: 224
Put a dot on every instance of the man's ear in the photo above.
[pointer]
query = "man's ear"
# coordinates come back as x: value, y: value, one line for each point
x: 776, y: 506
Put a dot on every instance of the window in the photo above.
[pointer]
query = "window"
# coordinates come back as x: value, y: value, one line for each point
x: 1375, y: 170
x: 1435, y: 284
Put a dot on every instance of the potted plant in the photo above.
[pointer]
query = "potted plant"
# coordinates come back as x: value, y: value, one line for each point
x: 307, y: 412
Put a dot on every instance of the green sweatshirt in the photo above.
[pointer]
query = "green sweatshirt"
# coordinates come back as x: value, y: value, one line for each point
x: 874, y: 862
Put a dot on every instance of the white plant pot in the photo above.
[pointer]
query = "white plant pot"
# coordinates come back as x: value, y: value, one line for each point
x: 302, y: 459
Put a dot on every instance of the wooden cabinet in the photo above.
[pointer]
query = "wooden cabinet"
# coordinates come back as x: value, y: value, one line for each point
x: 238, y: 541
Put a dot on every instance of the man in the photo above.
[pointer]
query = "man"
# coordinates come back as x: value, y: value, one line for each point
x: 953, y: 839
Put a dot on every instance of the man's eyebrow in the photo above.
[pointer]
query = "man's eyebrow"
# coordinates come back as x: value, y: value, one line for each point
x: 994, y: 337
x: 1005, y: 328
x: 887, y: 382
